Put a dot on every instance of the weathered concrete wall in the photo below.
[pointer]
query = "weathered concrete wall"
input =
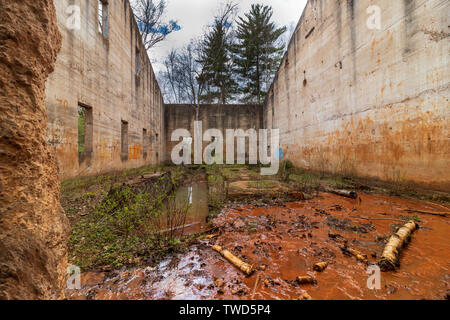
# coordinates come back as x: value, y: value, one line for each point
x: 33, y: 226
x: 374, y: 103
x: 100, y: 72
x: 222, y: 117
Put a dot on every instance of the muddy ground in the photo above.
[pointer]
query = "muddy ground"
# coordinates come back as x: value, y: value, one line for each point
x: 283, y: 239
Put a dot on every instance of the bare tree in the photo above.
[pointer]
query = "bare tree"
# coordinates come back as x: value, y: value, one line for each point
x: 180, y: 78
x: 173, y: 76
x: 149, y: 17
x: 192, y: 70
x: 184, y: 76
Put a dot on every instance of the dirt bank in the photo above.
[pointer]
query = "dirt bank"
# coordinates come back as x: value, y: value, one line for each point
x: 33, y: 227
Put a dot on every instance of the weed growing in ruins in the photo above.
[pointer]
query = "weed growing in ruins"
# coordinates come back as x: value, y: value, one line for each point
x: 129, y: 224
x: 216, y: 190
x: 263, y: 184
x: 305, y: 180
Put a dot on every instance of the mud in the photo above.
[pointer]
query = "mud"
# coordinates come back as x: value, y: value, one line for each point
x: 285, y: 242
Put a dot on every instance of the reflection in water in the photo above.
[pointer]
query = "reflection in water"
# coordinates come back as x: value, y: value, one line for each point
x: 196, y: 195
x: 190, y: 194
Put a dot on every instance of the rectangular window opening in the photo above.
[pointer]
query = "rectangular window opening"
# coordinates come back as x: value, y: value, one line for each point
x: 85, y: 132
x: 145, y: 139
x: 103, y: 17
x: 138, y: 67
x: 124, y: 140
x: 138, y: 61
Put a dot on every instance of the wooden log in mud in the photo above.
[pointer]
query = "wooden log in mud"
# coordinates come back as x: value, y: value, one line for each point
x: 238, y: 263
x: 390, y: 259
x: 306, y: 280
x: 343, y: 193
x: 320, y: 266
x: 352, y: 252
x: 304, y: 296
x: 430, y: 213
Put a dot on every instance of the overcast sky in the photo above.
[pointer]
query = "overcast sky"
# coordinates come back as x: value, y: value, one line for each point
x: 195, y: 15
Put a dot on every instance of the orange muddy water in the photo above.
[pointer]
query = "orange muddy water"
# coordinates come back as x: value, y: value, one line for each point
x: 285, y: 242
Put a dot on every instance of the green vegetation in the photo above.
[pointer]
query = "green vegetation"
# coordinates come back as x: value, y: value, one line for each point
x: 216, y: 190
x: 234, y: 60
x: 240, y: 172
x: 252, y: 226
x: 414, y: 218
x: 81, y: 129
x: 122, y: 226
x: 308, y: 180
x: 74, y: 186
x: 305, y: 181
x: 117, y: 221
x: 258, y: 52
x: 263, y: 184
x: 216, y: 59
x: 126, y: 227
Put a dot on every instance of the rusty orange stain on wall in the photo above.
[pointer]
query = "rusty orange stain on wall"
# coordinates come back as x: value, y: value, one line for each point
x: 380, y: 148
x: 134, y: 152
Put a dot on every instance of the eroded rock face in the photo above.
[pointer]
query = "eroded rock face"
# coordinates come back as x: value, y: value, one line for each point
x: 33, y: 226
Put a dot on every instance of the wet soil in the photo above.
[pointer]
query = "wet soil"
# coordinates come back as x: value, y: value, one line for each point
x: 284, y: 242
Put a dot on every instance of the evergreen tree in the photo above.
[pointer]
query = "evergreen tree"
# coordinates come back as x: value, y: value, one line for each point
x: 258, y: 52
x: 217, y: 74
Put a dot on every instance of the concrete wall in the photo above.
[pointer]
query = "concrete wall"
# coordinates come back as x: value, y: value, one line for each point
x: 373, y: 103
x: 99, y: 71
x: 222, y: 117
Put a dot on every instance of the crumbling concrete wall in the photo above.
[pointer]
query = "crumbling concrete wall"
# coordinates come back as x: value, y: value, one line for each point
x: 109, y: 73
x: 357, y: 100
x: 221, y: 117
x: 33, y: 227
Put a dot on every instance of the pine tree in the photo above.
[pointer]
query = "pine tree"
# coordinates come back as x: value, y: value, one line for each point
x: 258, y: 52
x: 217, y: 75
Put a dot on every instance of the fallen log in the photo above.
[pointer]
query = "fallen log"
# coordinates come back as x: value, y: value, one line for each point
x: 377, y: 219
x: 430, y: 213
x: 304, y: 296
x: 238, y: 263
x: 390, y: 259
x: 320, y: 266
x: 352, y: 252
x: 440, y: 205
x: 306, y: 280
x: 177, y: 228
x: 343, y: 193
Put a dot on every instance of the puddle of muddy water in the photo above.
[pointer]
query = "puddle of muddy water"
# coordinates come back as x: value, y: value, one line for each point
x: 196, y: 196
